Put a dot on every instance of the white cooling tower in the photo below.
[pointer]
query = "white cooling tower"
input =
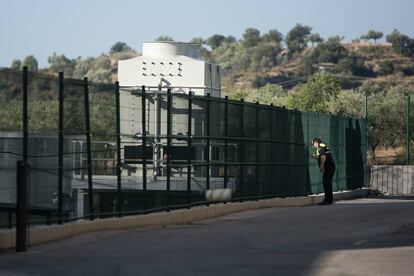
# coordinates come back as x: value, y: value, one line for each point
x: 172, y: 64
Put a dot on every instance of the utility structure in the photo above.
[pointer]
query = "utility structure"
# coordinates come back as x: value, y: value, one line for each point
x: 164, y: 67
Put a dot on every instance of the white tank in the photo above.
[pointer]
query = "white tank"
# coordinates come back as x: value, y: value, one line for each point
x: 172, y: 64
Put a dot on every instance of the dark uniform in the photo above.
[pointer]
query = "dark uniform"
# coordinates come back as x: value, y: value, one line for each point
x: 328, y: 170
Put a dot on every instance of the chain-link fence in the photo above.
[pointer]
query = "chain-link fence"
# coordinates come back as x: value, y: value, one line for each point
x: 98, y: 150
x: 390, y: 142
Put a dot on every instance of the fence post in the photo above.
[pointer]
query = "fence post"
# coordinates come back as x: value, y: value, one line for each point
x: 408, y: 128
x: 144, y: 140
x: 88, y: 145
x: 118, y: 149
x: 169, y: 132
x: 22, y: 206
x: 208, y: 134
x: 25, y: 112
x: 257, y: 167
x: 242, y: 147
x: 226, y: 136
x: 60, y: 147
x: 189, y: 140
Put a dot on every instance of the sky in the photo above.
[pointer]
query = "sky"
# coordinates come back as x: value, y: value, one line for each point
x: 90, y: 27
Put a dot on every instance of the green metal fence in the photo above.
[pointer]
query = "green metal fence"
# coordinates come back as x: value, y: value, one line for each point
x: 97, y: 150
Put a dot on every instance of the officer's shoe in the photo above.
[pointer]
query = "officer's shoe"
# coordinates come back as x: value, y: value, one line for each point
x: 325, y: 203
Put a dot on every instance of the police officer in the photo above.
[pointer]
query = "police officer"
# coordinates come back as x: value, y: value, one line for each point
x: 327, y: 166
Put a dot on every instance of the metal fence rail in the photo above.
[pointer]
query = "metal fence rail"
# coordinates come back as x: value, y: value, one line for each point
x: 98, y: 150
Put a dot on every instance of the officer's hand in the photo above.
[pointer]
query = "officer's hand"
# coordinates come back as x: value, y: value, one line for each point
x: 313, y: 156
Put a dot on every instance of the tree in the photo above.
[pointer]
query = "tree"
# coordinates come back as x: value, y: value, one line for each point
x: 269, y: 94
x: 120, y: 47
x: 230, y: 39
x: 371, y: 34
x: 162, y: 38
x: 296, y: 39
x: 251, y: 38
x: 348, y: 102
x: 386, y: 124
x: 314, y: 38
x: 31, y: 63
x: 197, y: 40
x: 273, y: 36
x: 329, y: 51
x: 224, y: 55
x: 215, y: 41
x: 265, y: 55
x: 402, y: 44
x: 315, y: 94
x: 60, y: 63
x: 16, y: 64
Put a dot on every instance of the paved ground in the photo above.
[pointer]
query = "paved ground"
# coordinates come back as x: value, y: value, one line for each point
x: 369, y: 236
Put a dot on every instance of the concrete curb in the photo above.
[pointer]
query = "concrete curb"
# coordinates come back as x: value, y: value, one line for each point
x: 43, y: 234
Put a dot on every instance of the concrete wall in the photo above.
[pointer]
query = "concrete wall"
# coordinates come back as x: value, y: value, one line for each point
x: 392, y: 179
x: 42, y: 234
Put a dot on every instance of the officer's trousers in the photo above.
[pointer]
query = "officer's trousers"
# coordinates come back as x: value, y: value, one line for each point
x: 327, y: 182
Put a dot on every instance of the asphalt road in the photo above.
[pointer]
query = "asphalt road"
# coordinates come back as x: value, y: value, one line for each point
x: 371, y: 236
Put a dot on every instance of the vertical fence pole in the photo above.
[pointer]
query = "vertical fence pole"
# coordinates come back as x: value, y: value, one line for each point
x: 189, y: 139
x: 337, y: 151
x: 60, y: 148
x: 257, y: 167
x: 25, y: 113
x: 408, y: 129
x: 88, y: 146
x: 366, y: 168
x: 169, y: 132
x: 118, y: 149
x: 208, y: 132
x: 241, y: 150
x: 308, y: 185
x: 22, y: 171
x: 226, y: 140
x: 22, y: 206
x: 144, y: 140
x: 272, y: 148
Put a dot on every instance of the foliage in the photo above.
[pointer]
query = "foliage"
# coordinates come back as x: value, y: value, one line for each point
x: 296, y: 39
x: 273, y: 36
x: 315, y: 94
x: 402, y: 44
x: 162, y: 38
x: 269, y: 94
x: 60, y: 63
x: 16, y: 64
x: 119, y: 47
x: 371, y: 34
x: 386, y: 67
x: 31, y: 63
x: 314, y: 38
x: 264, y: 56
x: 215, y: 41
x: 251, y: 38
x: 348, y: 102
